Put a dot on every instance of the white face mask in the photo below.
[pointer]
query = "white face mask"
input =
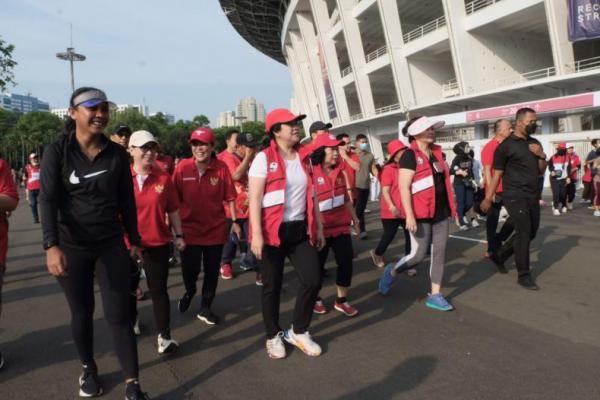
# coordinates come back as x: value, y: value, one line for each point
x: 364, y: 146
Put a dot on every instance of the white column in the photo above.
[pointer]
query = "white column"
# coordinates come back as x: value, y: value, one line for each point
x: 390, y: 20
x: 464, y: 64
x: 303, y: 64
x: 357, y: 57
x: 562, y: 49
x: 323, y: 24
x: 299, y: 90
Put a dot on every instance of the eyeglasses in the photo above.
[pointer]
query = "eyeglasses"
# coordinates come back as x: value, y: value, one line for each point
x: 147, y: 148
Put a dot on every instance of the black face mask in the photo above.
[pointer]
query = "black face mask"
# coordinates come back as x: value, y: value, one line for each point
x: 561, y: 152
x: 531, y: 128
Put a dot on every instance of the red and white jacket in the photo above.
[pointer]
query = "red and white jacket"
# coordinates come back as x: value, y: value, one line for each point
x: 273, y: 202
x: 423, y: 184
x: 332, y: 196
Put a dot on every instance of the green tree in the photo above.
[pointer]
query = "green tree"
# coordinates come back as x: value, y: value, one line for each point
x: 6, y: 65
x: 201, y: 120
x: 34, y: 130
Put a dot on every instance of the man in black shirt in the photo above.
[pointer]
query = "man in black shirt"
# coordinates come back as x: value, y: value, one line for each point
x: 519, y: 161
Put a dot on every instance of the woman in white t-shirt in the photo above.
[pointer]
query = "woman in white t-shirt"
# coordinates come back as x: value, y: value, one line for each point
x: 284, y: 222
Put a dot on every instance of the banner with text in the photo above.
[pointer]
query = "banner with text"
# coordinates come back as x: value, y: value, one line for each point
x: 584, y: 20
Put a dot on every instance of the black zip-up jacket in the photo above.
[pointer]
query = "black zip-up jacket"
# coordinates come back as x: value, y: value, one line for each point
x: 83, y: 202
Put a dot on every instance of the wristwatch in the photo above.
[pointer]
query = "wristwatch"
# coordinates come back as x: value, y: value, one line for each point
x: 49, y: 244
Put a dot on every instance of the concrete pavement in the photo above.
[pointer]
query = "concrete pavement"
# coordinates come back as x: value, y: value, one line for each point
x: 502, y: 342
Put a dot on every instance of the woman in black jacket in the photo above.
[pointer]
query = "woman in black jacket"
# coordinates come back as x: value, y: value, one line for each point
x: 87, y: 201
x: 464, y: 183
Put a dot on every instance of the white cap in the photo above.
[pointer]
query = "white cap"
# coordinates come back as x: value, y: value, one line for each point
x: 140, y: 138
x: 569, y: 145
x: 33, y: 155
x: 422, y: 124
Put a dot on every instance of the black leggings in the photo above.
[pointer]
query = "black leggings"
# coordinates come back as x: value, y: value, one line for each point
x: 111, y: 266
x: 192, y: 258
x: 156, y: 265
x: 390, y: 228
x: 559, y: 192
x: 342, y: 249
x: 571, y: 191
x: 305, y: 259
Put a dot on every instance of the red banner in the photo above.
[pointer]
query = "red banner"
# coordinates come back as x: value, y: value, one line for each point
x: 543, y: 106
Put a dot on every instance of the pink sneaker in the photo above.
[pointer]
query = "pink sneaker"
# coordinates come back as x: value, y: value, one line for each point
x: 226, y: 272
x: 319, y: 307
x: 346, y: 309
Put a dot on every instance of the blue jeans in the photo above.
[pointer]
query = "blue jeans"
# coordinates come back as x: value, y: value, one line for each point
x: 464, y: 200
x: 33, y: 203
x: 230, y: 248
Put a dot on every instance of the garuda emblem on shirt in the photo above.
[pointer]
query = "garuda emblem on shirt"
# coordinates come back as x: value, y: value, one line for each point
x: 214, y: 180
x: 159, y: 188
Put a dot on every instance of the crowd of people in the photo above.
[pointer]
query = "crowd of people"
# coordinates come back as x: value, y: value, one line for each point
x: 112, y: 209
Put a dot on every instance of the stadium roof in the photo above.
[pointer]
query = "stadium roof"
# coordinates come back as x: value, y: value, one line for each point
x: 259, y: 22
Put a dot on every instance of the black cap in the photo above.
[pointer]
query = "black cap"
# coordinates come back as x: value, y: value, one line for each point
x: 246, y: 139
x: 319, y: 126
x: 122, y: 129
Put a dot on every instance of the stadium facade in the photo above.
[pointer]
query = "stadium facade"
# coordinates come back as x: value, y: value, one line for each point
x: 366, y: 65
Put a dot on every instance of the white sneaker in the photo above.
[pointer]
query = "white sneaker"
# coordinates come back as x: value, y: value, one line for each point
x: 363, y: 235
x: 136, y: 327
x: 474, y: 223
x: 555, y: 212
x: 463, y: 228
x: 166, y: 345
x: 596, y: 213
x: 564, y: 210
x: 303, y: 341
x: 275, y: 347
x: 570, y: 206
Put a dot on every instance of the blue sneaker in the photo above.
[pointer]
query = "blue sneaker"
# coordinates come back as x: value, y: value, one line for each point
x: 386, y: 281
x: 438, y: 302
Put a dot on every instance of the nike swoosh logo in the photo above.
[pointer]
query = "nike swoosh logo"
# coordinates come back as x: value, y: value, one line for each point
x: 74, y: 179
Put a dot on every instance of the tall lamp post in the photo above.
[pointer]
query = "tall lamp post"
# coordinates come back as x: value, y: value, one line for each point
x: 71, y: 56
x: 241, y: 118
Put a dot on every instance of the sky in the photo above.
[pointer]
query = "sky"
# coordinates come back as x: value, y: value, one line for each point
x: 180, y: 57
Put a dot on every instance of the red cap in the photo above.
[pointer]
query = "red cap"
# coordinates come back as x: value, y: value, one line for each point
x: 205, y: 135
x: 325, y: 140
x: 280, y: 116
x: 562, y: 146
x: 394, y: 147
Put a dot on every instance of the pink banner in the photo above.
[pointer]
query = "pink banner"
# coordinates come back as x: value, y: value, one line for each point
x: 543, y: 106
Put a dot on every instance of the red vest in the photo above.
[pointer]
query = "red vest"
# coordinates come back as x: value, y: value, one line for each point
x: 273, y: 202
x: 33, y: 177
x: 332, y: 197
x: 423, y: 184
x: 575, y: 166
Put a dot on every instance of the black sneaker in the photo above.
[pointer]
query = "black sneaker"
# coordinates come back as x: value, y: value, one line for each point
x: 184, y: 302
x: 206, y: 316
x: 89, y: 385
x: 499, y: 263
x: 528, y: 283
x: 133, y: 391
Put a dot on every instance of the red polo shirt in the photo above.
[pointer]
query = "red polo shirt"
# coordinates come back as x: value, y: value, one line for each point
x: 156, y: 198
x: 166, y: 163
x: 487, y: 158
x: 351, y: 172
x: 233, y: 161
x: 390, y: 177
x: 7, y: 188
x: 202, y: 197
